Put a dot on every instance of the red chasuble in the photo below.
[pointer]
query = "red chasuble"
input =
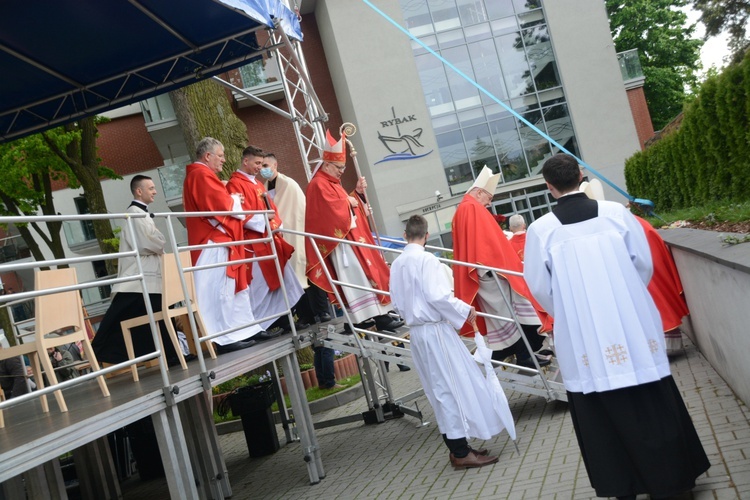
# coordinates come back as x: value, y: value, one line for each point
x: 328, y: 214
x: 203, y: 191
x: 253, y: 193
x: 665, y: 286
x: 478, y: 239
x: 518, y: 241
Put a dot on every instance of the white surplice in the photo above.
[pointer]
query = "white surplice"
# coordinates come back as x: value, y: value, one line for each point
x: 452, y: 381
x: 263, y: 301
x: 220, y: 306
x: 613, y: 338
x: 290, y: 203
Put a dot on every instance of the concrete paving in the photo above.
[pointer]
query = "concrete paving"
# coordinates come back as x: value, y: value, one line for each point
x: 401, y: 459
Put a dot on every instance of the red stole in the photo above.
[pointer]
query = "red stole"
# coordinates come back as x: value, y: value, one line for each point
x: 328, y: 213
x: 203, y: 191
x: 665, y: 285
x: 253, y: 194
x: 477, y: 238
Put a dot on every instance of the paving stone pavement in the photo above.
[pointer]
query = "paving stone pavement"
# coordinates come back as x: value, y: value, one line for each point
x: 400, y: 459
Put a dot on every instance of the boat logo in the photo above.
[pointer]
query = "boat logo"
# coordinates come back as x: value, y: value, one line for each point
x: 407, y: 146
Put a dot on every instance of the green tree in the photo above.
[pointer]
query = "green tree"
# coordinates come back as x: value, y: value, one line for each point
x: 27, y: 169
x: 669, y: 56
x: 75, y: 145
x: 730, y: 16
x: 204, y: 110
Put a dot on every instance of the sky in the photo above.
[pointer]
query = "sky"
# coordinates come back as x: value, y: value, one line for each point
x: 714, y: 49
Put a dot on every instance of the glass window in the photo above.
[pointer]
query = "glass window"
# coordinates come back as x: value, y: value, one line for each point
x: 465, y: 95
x: 471, y: 117
x: 451, y: 38
x: 478, y: 32
x: 445, y: 15
x: 498, y: 8
x: 487, y: 70
x: 509, y: 151
x: 472, y: 12
x: 559, y: 126
x: 417, y: 17
x: 481, y: 149
x: 445, y: 217
x: 535, y: 146
x: 434, y: 84
x: 455, y: 160
x: 504, y: 26
x: 515, y: 68
x: 444, y: 123
x: 526, y: 5
x: 541, y: 58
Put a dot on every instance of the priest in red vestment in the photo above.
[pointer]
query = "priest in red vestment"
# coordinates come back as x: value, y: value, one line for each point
x: 477, y: 238
x: 665, y: 286
x: 266, y: 294
x: 222, y: 292
x: 517, y: 225
x: 334, y: 213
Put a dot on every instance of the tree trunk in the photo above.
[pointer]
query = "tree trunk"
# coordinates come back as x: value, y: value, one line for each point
x: 82, y: 159
x: 7, y: 326
x: 203, y: 110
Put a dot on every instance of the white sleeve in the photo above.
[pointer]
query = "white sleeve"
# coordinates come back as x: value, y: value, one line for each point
x: 637, y: 244
x: 256, y: 223
x: 537, y: 271
x: 149, y: 239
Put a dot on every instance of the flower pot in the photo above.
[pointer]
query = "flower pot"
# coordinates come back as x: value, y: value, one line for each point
x: 306, y: 379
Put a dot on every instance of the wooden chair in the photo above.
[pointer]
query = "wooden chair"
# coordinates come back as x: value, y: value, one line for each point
x: 171, y: 294
x: 29, y: 349
x: 56, y: 313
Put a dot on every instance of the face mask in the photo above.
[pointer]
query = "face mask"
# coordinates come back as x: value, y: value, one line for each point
x: 266, y: 172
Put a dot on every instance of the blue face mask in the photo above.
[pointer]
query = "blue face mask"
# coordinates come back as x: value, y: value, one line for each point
x: 266, y: 172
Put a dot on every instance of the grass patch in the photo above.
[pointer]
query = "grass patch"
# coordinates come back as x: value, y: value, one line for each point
x: 312, y: 394
x: 709, y: 214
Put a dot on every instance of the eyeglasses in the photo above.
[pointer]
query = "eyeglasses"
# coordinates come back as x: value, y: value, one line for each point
x: 339, y: 168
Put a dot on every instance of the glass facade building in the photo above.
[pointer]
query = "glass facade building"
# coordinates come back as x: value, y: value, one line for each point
x: 505, y: 47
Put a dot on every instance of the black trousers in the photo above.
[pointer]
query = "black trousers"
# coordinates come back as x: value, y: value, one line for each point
x: 109, y: 344
x: 459, y: 447
x: 519, y: 348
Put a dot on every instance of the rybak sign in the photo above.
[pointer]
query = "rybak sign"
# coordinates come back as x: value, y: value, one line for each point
x: 401, y: 146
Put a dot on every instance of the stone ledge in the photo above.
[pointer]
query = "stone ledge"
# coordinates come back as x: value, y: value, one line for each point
x: 708, y: 245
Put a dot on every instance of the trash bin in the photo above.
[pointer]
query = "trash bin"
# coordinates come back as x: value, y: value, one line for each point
x: 253, y: 405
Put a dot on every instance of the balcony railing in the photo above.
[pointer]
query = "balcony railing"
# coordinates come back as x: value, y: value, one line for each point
x: 13, y: 248
x: 630, y: 65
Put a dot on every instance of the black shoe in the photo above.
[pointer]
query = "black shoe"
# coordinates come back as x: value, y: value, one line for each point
x: 389, y: 326
x: 403, y: 368
x: 301, y: 325
x: 528, y: 363
x: 234, y: 346
x: 269, y: 334
x: 324, y: 318
x: 546, y: 352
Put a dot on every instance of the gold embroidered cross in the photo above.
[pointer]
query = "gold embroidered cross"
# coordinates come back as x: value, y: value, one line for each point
x: 616, y: 354
x: 653, y: 345
x: 585, y: 360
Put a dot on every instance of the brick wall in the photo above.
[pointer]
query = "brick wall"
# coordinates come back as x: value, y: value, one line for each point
x: 125, y: 146
x: 641, y: 115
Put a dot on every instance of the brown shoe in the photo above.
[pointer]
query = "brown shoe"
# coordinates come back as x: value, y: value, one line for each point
x: 473, y: 459
x: 481, y: 451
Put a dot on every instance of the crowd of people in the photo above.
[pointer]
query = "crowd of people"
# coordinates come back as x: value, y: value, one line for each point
x: 588, y: 264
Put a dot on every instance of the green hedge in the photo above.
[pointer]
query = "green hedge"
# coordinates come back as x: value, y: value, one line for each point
x: 708, y: 158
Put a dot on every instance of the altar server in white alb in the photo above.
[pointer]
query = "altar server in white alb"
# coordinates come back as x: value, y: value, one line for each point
x: 588, y: 263
x: 453, y: 383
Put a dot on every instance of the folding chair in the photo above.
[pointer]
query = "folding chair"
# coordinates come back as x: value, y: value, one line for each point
x: 56, y: 315
x: 171, y: 294
x: 29, y: 349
